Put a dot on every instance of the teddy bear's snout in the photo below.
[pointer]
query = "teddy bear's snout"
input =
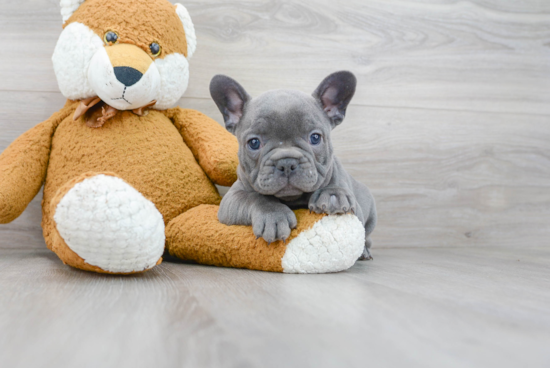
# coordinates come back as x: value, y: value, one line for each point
x: 124, y: 76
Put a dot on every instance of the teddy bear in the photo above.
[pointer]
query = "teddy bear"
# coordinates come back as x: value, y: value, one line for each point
x: 128, y: 177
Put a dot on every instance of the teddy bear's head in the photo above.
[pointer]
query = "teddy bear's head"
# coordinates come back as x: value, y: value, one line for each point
x: 128, y: 53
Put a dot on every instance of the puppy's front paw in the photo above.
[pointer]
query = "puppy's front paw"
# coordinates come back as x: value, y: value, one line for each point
x: 332, y: 201
x: 275, y: 224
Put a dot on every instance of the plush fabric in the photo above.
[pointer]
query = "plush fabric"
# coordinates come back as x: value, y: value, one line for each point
x: 319, y: 244
x: 147, y: 152
x: 72, y: 56
x: 110, y: 224
x: 174, y: 78
x: 136, y: 22
x: 220, y: 245
x: 57, y: 243
x: 68, y: 7
x: 213, y: 147
x: 23, y: 167
x: 189, y: 28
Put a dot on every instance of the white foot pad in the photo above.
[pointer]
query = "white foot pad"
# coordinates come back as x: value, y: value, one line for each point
x: 111, y: 225
x: 333, y: 244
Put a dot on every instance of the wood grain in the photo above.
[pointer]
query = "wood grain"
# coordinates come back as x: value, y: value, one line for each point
x: 468, y: 55
x: 416, y: 308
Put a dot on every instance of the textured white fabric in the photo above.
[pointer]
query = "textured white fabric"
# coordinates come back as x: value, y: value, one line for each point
x: 74, y: 50
x: 68, y: 7
x: 111, y: 225
x: 105, y: 84
x: 189, y: 28
x: 333, y: 244
x: 174, y: 79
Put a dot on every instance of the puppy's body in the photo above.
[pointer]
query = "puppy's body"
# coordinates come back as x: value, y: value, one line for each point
x: 286, y: 158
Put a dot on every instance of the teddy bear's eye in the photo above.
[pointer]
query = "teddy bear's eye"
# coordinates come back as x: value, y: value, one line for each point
x: 155, y: 49
x: 110, y: 37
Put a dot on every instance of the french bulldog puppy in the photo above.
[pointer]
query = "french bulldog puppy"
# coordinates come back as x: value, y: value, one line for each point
x: 286, y: 157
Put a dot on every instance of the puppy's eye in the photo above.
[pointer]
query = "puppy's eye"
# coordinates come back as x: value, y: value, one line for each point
x: 110, y: 37
x: 254, y: 144
x: 155, y: 49
x: 315, y: 139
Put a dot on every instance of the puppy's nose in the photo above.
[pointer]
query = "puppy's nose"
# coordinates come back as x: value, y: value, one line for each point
x: 287, y: 165
x: 127, y: 76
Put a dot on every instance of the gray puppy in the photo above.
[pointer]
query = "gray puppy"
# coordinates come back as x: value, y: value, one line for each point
x: 286, y: 158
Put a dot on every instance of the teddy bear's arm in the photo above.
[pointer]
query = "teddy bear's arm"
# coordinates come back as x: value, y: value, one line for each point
x: 23, y: 167
x: 215, y: 149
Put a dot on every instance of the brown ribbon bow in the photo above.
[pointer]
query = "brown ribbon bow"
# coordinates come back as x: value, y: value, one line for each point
x: 96, y: 112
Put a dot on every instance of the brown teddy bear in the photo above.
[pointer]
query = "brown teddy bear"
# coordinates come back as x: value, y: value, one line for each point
x: 125, y: 176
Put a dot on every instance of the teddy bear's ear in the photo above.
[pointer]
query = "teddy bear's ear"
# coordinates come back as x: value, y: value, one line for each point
x: 188, y: 27
x: 68, y: 7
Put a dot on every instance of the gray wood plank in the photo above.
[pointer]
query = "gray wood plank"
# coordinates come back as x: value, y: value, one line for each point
x: 473, y: 55
x: 409, y: 307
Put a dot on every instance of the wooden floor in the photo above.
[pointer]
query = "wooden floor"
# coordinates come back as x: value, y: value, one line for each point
x: 450, y: 128
x: 438, y: 307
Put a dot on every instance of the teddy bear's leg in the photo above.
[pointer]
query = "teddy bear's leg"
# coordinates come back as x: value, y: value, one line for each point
x: 320, y: 244
x: 102, y: 224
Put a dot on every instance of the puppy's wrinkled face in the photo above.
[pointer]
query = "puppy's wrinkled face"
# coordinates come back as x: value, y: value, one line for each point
x: 284, y: 136
x: 284, y: 141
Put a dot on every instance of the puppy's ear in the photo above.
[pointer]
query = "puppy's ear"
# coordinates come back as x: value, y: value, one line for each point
x: 231, y: 98
x: 335, y: 93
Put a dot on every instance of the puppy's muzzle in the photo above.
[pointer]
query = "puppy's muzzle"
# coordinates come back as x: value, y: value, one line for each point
x: 286, y: 172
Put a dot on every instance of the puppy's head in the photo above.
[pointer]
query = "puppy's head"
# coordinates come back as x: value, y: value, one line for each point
x: 127, y: 52
x: 284, y: 136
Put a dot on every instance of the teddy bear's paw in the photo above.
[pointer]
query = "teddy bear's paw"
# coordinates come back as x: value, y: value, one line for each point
x: 109, y: 224
x: 333, y: 244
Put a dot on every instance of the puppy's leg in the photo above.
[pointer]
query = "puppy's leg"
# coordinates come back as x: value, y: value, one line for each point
x: 367, y: 205
x: 270, y: 219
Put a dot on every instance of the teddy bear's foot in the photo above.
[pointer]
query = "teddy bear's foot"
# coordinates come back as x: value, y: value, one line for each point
x: 103, y: 224
x: 320, y: 244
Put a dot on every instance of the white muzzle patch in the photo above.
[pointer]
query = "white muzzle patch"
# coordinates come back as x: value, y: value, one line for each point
x: 118, y: 92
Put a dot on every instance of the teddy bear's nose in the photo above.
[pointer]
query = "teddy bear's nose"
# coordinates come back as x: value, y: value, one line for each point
x: 127, y: 76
